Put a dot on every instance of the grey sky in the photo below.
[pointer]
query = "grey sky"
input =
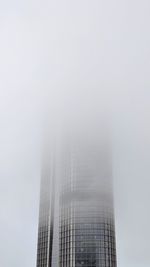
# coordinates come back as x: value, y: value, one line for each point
x: 55, y: 57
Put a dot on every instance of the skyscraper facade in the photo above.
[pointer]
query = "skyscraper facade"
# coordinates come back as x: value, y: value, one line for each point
x: 84, y: 212
x: 46, y: 214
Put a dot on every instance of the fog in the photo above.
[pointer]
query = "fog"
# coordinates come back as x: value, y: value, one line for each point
x: 69, y: 61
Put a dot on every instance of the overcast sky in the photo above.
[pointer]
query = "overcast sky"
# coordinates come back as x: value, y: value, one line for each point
x: 55, y: 55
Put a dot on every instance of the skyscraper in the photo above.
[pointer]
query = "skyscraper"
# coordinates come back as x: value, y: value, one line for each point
x: 83, y: 214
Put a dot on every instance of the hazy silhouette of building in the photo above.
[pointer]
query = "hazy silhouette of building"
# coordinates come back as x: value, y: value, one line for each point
x: 76, y: 221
